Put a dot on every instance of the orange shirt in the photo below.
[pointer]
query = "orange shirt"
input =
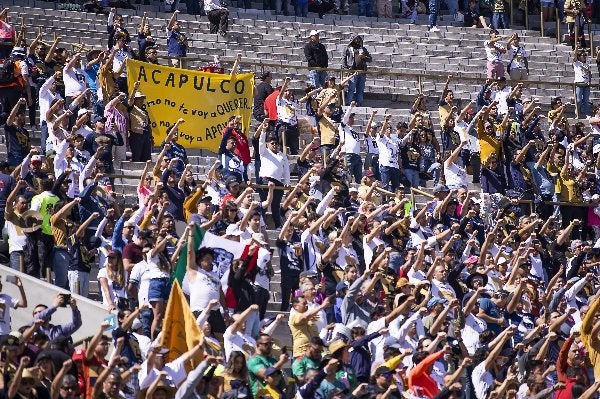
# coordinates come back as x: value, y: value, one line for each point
x: 419, y: 375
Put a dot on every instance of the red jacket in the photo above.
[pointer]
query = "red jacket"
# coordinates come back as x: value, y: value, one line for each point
x: 242, y: 148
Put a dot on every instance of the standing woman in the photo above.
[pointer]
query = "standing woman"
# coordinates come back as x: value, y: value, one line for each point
x: 113, y: 282
x: 274, y: 167
x: 140, y: 133
x: 116, y: 123
x: 159, y: 268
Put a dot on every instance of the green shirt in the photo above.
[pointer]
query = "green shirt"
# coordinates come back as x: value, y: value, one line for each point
x: 255, y: 364
x: 300, y: 367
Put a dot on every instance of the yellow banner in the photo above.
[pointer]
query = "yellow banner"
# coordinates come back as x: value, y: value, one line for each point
x: 204, y: 100
x: 180, y: 332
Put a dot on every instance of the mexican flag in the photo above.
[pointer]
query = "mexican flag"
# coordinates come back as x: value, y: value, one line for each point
x: 225, y: 252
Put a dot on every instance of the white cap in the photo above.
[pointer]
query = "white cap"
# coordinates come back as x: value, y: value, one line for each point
x: 313, y: 32
x: 233, y: 230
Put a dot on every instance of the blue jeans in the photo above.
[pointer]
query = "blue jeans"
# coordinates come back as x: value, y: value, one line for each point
x: 16, y: 261
x: 281, y: 7
x: 301, y: 10
x: 434, y: 8
x: 390, y: 177
x: 412, y: 175
x: 44, y: 135
x: 317, y: 78
x: 583, y: 100
x: 60, y: 264
x: 146, y: 317
x: 253, y: 325
x: 365, y: 8
x: 499, y: 20
x: 354, y: 165
x: 356, y: 89
x: 452, y: 7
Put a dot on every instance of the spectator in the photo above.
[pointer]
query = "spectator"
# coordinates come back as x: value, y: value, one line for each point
x: 494, y: 50
x: 518, y: 66
x: 356, y: 58
x: 261, y: 92
x: 316, y: 56
x: 7, y: 35
x: 9, y: 302
x: 218, y: 16
x: 140, y: 131
x: 177, y: 42
x: 583, y: 77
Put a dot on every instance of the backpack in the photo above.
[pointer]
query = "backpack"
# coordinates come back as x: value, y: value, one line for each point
x: 7, y: 71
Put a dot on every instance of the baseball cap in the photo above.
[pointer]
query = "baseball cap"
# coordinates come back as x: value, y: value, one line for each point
x: 232, y: 181
x: 36, y: 158
x: 233, y: 230
x: 441, y: 188
x: 206, y: 198
x: 313, y: 32
x: 434, y: 301
x: 368, y: 173
x: 575, y: 244
x: 139, y: 95
x: 271, y: 371
x: 82, y: 111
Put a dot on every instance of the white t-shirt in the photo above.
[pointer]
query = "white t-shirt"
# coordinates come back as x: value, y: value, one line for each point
x: 371, y: 145
x: 369, y: 248
x: 139, y: 275
x: 493, y: 53
x: 312, y: 253
x: 153, y: 269
x: 501, y: 96
x: 482, y: 381
x: 456, y: 177
x: 517, y: 56
x: 115, y: 290
x: 16, y: 238
x: 350, y: 138
x: 6, y: 302
x: 388, y: 152
x: 74, y: 80
x: 470, y: 333
x: 582, y: 72
x: 175, y: 373
x: 238, y: 342
x: 262, y: 277
x: 286, y: 111
x: 205, y: 288
x: 120, y: 57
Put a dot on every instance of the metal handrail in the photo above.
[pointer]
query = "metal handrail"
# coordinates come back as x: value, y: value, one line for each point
x: 374, y: 72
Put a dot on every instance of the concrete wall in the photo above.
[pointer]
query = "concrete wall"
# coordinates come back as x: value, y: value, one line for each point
x: 41, y: 292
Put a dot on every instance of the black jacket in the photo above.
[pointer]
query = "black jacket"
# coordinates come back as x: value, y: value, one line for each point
x: 316, y: 55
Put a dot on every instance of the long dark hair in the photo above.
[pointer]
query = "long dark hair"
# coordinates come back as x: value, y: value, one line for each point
x: 229, y: 368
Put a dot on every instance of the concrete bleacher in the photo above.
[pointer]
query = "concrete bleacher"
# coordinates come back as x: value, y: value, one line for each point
x: 262, y: 37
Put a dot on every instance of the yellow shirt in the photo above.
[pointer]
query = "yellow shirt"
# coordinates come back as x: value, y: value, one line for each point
x: 267, y: 390
x: 555, y: 170
x: 570, y: 191
x: 592, y: 343
x: 573, y: 5
x: 302, y: 332
x: 59, y: 231
x: 328, y: 130
x: 487, y: 143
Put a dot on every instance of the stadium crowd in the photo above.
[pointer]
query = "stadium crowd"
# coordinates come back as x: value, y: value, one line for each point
x: 478, y: 293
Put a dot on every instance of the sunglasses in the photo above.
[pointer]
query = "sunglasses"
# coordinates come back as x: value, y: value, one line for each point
x: 69, y: 388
